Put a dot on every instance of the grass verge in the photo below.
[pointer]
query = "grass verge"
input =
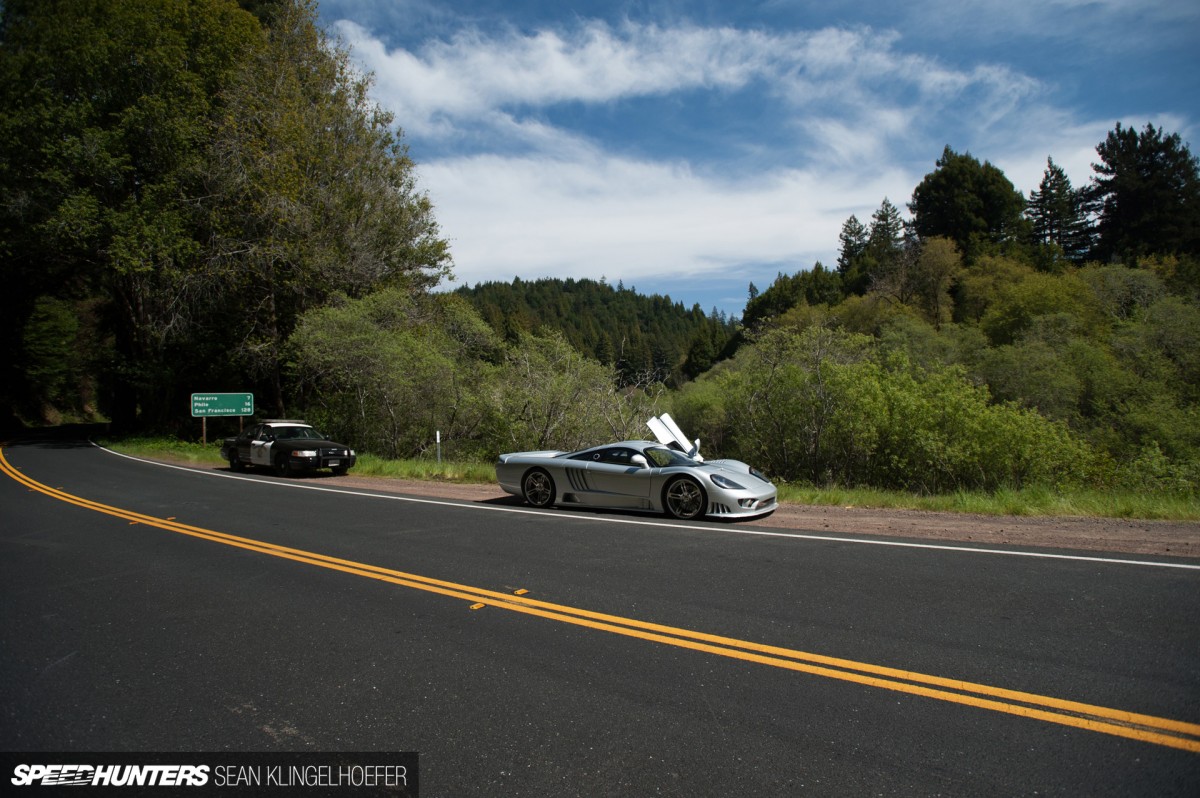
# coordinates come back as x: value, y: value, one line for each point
x: 1034, y: 501
x: 368, y: 465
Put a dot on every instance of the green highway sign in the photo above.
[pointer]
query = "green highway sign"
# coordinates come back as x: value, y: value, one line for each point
x: 222, y: 404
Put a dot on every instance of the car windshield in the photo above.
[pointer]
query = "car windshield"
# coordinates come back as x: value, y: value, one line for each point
x: 296, y: 433
x: 661, y: 457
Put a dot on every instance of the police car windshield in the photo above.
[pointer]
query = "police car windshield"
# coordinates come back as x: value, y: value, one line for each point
x: 296, y: 433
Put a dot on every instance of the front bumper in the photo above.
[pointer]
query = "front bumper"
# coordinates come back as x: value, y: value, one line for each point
x: 305, y: 463
x: 742, y: 506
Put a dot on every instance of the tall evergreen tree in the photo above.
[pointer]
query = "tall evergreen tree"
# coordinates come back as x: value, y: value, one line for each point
x: 853, y: 246
x: 1056, y: 211
x: 1146, y: 193
x: 886, y: 238
x: 886, y: 250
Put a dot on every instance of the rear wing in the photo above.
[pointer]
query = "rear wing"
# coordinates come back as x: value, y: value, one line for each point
x: 667, y: 432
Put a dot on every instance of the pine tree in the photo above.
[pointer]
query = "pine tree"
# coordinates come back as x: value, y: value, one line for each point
x: 853, y: 240
x: 887, y: 232
x: 1147, y: 195
x: 1056, y: 211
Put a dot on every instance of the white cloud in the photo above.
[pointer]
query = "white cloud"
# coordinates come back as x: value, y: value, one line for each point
x: 471, y: 77
x: 634, y: 221
x: 472, y: 74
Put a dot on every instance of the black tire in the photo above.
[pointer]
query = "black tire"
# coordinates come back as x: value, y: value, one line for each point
x: 683, y: 498
x: 235, y: 464
x: 340, y: 472
x: 537, y: 487
x: 282, y: 467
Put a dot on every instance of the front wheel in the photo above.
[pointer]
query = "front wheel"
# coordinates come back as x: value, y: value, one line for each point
x: 283, y: 468
x: 538, y: 488
x: 684, y: 499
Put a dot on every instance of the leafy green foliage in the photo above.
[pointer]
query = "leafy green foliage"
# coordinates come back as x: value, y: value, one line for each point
x: 49, y: 348
x: 391, y: 371
x: 825, y: 407
x: 106, y: 114
x: 200, y: 181
x: 1105, y: 350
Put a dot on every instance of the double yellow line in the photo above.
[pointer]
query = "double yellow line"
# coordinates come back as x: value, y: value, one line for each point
x: 1146, y: 728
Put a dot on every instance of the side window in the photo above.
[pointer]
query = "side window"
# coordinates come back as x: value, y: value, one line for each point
x: 620, y: 457
x: 659, y: 458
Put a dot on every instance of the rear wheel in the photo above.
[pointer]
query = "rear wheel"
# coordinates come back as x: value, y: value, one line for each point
x: 235, y: 464
x: 684, y: 499
x: 538, y: 488
x: 340, y: 472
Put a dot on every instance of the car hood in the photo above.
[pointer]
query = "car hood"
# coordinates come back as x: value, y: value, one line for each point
x: 736, y: 467
x: 308, y: 443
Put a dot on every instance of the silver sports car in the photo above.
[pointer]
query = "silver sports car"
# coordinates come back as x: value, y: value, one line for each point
x: 666, y: 476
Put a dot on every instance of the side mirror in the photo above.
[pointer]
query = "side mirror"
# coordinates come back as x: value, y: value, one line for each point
x: 639, y: 460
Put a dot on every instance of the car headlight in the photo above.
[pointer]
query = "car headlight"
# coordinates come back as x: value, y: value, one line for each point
x: 305, y: 453
x: 726, y: 483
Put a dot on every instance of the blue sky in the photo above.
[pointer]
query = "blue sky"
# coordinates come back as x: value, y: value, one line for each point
x: 691, y: 148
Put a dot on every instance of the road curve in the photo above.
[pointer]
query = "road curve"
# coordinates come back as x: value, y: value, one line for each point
x: 551, y: 653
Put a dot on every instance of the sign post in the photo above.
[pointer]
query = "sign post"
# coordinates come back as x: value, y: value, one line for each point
x: 220, y: 404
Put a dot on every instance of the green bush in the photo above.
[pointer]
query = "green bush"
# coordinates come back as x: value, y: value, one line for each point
x: 819, y: 406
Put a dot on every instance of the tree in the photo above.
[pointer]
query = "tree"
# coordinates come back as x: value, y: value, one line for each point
x: 202, y: 181
x: 938, y: 266
x: 106, y: 111
x: 48, y: 346
x: 1146, y: 194
x: 317, y: 195
x: 853, y: 239
x: 1018, y: 306
x: 886, y: 238
x: 1056, y: 211
x: 576, y: 403
x: 971, y: 203
x: 392, y: 370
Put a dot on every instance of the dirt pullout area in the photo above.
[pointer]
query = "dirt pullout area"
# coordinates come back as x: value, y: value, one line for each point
x: 1159, y: 538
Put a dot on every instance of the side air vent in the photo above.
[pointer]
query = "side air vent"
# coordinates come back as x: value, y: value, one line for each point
x: 578, y: 479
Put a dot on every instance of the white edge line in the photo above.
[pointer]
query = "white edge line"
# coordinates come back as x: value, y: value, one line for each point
x: 663, y: 524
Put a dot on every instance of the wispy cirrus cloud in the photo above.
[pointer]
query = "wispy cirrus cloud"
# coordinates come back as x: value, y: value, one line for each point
x: 475, y: 79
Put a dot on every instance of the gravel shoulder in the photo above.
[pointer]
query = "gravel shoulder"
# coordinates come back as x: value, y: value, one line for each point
x: 1126, y: 536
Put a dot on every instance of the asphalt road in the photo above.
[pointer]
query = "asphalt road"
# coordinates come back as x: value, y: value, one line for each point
x: 156, y: 608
